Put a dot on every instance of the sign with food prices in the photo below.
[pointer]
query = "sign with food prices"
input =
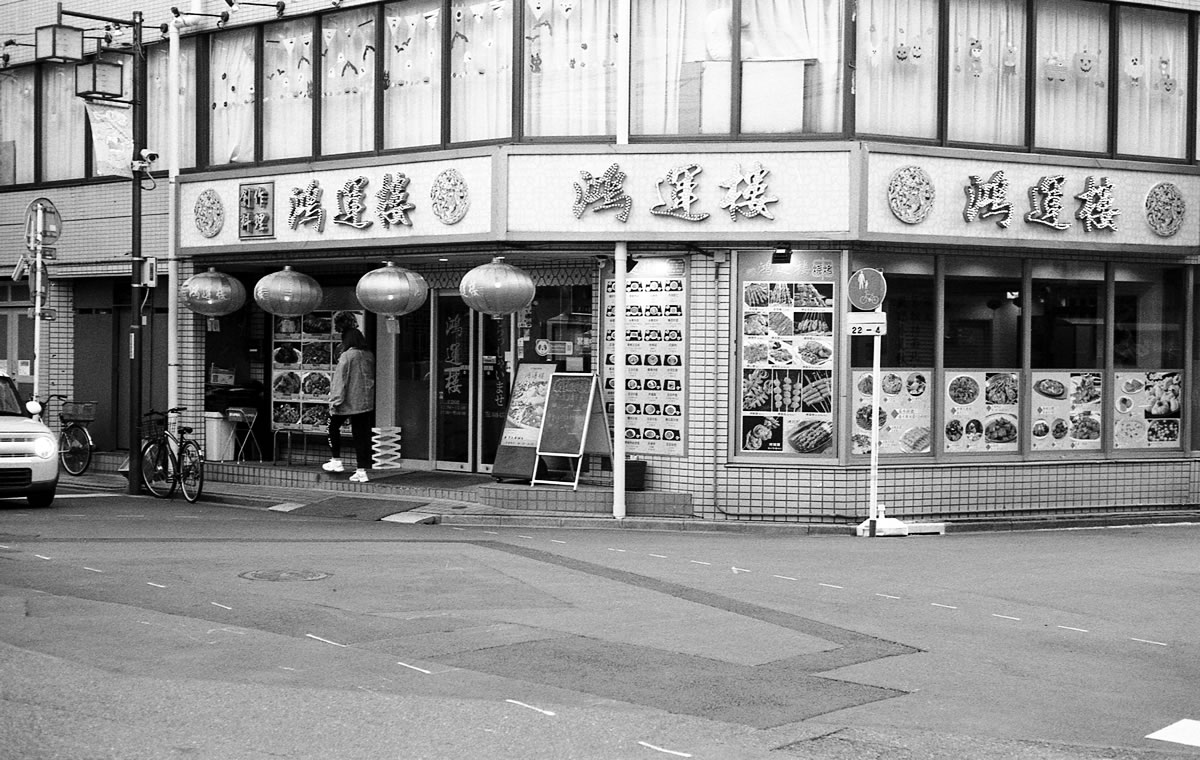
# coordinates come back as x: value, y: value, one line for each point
x: 1148, y: 410
x: 1067, y: 411
x: 304, y: 351
x: 655, y: 337
x: 981, y: 411
x: 787, y: 356
x: 903, y: 414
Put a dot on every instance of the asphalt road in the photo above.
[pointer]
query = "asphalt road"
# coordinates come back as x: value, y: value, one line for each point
x: 136, y: 628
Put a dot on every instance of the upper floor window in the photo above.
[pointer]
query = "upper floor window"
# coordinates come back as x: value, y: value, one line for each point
x: 412, y: 74
x: 1153, y: 83
x: 987, y: 72
x: 570, y: 68
x: 1072, y: 76
x: 62, y: 124
x: 481, y: 70
x: 348, y: 81
x: 231, y: 90
x: 16, y: 125
x: 897, y: 68
x: 158, y: 96
x: 287, y: 102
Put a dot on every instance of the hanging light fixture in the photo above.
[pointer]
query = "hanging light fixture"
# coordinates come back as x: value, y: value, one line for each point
x: 497, y: 288
x: 288, y: 293
x: 392, y: 291
x: 213, y: 293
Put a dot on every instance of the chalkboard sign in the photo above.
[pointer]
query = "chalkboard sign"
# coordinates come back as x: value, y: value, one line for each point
x: 574, y: 422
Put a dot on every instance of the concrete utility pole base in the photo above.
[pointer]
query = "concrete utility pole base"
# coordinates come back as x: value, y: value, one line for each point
x: 884, y: 526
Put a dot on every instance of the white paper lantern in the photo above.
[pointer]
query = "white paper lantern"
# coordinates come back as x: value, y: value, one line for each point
x: 213, y: 293
x: 391, y: 290
x: 288, y: 293
x: 497, y: 288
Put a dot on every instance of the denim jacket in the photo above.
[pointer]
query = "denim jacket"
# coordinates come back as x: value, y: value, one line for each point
x: 353, y: 388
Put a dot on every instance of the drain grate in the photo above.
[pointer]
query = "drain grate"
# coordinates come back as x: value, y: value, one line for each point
x: 284, y: 575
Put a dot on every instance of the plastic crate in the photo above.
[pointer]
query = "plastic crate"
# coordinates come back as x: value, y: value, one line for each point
x: 78, y: 411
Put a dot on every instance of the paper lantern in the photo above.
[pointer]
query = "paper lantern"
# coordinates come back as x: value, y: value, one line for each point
x: 213, y: 293
x: 392, y: 290
x: 497, y: 288
x: 287, y: 293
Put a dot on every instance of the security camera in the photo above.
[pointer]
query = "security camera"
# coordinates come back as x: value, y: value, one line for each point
x: 149, y: 156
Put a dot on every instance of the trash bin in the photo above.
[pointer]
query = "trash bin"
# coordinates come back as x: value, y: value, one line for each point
x: 218, y: 437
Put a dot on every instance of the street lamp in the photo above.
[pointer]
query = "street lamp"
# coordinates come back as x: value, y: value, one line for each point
x: 59, y: 42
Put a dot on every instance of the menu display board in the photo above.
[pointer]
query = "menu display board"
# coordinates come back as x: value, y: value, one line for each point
x: 787, y: 357
x: 981, y: 412
x: 655, y: 371
x: 304, y: 351
x: 903, y: 414
x: 1148, y: 410
x: 1067, y: 411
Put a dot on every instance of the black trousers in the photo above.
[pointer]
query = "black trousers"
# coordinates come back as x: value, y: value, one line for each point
x: 360, y: 429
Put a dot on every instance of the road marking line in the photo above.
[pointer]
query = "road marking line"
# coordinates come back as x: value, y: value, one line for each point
x: 492, y: 532
x: 155, y: 585
x: 529, y: 537
x: 1184, y: 731
x: 284, y: 667
x: 1148, y: 641
x: 41, y: 556
x: 784, y: 577
x: 556, y: 541
x: 414, y: 667
x: 1006, y: 617
x: 92, y: 569
x: 457, y: 528
x: 829, y: 585
x: 887, y: 596
x: 215, y: 604
x: 531, y: 707
x: 698, y: 562
x: 326, y: 641
x: 737, y: 570
x: 667, y: 751
x: 5, y: 546
x: 943, y: 606
x: 71, y: 515
x: 128, y: 515
x: 1069, y: 628
x: 660, y: 556
x: 615, y: 550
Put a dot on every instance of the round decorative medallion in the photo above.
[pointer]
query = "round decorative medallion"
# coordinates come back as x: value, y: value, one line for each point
x: 1164, y: 209
x: 210, y: 214
x: 450, y: 198
x: 910, y: 194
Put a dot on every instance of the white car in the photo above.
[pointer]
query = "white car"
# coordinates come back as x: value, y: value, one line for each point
x: 28, y: 450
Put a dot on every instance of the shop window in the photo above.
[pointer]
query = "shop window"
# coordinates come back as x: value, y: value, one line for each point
x: 896, y: 79
x: 288, y: 55
x: 231, y: 91
x: 412, y: 74
x: 987, y: 72
x: 560, y: 317
x: 906, y: 361
x: 569, y: 68
x: 16, y: 126
x: 1152, y: 82
x: 481, y: 78
x: 1148, y: 357
x: 348, y: 82
x: 682, y: 68
x: 157, y: 95
x: 791, y: 66
x: 1072, y: 76
x: 62, y: 124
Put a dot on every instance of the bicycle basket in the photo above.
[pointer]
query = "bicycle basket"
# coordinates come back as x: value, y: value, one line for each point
x: 78, y: 411
x: 153, y: 427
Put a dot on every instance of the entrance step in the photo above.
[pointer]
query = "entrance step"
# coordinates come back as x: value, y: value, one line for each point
x: 587, y: 500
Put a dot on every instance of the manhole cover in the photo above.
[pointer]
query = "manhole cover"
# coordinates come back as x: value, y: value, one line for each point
x: 284, y: 575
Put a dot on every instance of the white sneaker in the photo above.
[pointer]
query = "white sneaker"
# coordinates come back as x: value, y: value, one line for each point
x: 333, y: 465
x: 359, y: 476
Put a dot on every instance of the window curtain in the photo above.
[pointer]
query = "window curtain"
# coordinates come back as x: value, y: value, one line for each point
x: 412, y: 75
x: 348, y: 85
x: 481, y: 58
x: 1153, y: 83
x: 231, y: 86
x: 681, y: 70
x: 1072, y: 76
x: 16, y: 125
x: 569, y: 67
x: 987, y: 72
x: 158, y: 97
x: 62, y: 124
x: 791, y: 66
x: 897, y: 65
x: 288, y: 53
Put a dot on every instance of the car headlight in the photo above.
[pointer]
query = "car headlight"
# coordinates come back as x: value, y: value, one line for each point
x: 45, y: 447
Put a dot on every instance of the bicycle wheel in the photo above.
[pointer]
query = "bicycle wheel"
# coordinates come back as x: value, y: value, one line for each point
x: 191, y: 470
x: 75, y: 449
x: 159, y: 468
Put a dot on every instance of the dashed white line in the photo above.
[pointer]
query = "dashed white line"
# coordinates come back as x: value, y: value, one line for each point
x: 528, y: 537
x: 887, y: 596
x: 531, y: 707
x: 615, y: 550
x: 698, y: 562
x: 155, y: 585
x: 92, y: 569
x: 1070, y: 628
x: 943, y: 606
x: 660, y: 556
x: 5, y: 546
x: 556, y: 541
x: 829, y: 585
x: 414, y: 667
x: 1148, y: 641
x: 41, y: 556
x: 325, y: 641
x: 453, y: 528
x: 667, y: 751
x: 492, y: 532
x: 216, y: 604
x: 1005, y: 617
x: 784, y: 577
x: 737, y: 570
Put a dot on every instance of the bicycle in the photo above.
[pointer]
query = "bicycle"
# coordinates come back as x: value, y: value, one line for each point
x: 170, y: 461
x: 75, y: 445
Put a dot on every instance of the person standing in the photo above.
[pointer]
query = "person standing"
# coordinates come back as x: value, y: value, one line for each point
x: 352, y: 397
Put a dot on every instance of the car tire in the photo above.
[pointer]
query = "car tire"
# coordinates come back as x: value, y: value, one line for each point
x: 40, y: 499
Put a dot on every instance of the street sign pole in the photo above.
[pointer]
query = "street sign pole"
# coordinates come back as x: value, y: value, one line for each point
x: 39, y: 273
